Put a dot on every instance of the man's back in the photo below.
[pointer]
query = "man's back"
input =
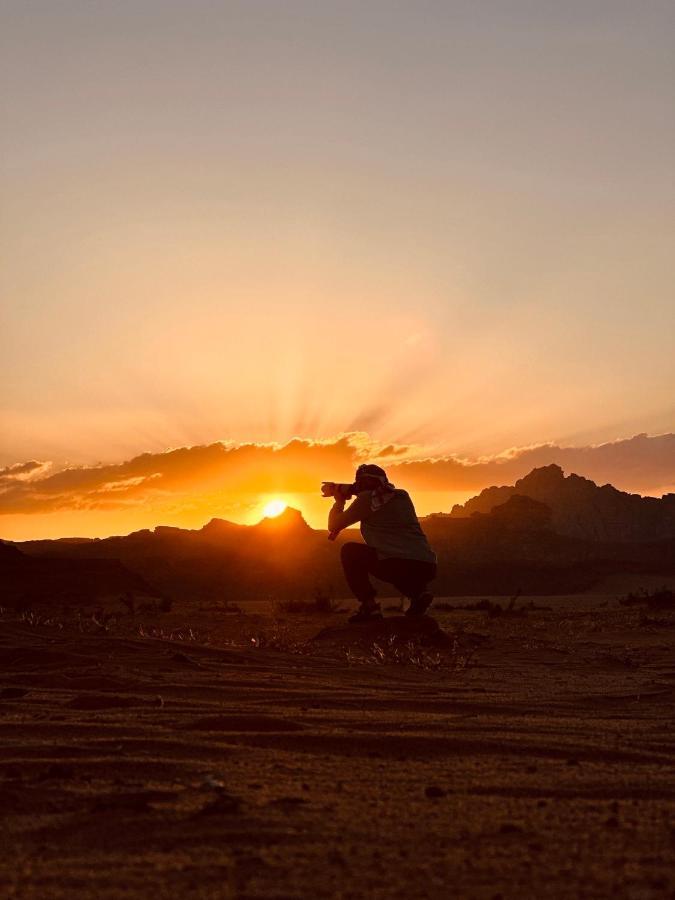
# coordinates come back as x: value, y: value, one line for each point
x: 394, y: 531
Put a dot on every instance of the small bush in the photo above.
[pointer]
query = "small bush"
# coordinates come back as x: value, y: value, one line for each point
x: 659, y: 599
x: 35, y: 620
x: 444, y: 606
x: 229, y: 607
x: 393, y: 651
x: 185, y: 633
x: 277, y: 637
x: 486, y: 606
x: 492, y: 609
x: 646, y: 621
x: 321, y: 603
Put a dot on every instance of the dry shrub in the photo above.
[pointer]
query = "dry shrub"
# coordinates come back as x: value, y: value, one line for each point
x: 662, y: 598
x: 493, y: 610
x: 100, y: 621
x: 231, y: 608
x: 487, y: 606
x: 413, y: 652
x: 185, y: 633
x: 645, y: 621
x: 35, y: 619
x: 90, y: 623
x: 321, y: 603
x: 277, y: 637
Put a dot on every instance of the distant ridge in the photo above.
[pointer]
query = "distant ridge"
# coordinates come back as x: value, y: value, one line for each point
x: 580, y: 508
x: 290, y: 520
x: 547, y: 534
x: 9, y: 552
x: 66, y: 580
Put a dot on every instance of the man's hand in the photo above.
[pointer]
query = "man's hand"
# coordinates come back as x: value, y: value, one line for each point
x: 339, y: 517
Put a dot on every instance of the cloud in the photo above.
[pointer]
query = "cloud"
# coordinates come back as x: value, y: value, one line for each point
x: 297, y: 466
x: 22, y: 472
x: 642, y: 464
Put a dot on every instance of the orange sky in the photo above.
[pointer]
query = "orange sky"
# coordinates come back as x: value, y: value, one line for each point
x: 190, y: 485
x: 448, y: 227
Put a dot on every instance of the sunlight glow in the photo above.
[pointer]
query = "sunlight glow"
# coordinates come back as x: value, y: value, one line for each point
x: 274, y: 508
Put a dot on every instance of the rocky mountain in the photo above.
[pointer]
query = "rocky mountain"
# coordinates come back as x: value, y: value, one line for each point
x: 67, y: 581
x: 581, y: 508
x: 514, y: 546
x: 8, y: 552
x: 222, y: 560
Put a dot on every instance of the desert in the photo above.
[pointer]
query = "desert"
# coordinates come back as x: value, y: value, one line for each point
x: 264, y: 753
x: 337, y: 450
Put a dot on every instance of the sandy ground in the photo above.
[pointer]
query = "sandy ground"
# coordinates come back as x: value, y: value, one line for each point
x: 534, y: 758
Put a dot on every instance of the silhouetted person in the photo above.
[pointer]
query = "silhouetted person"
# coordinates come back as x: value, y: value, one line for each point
x: 396, y: 549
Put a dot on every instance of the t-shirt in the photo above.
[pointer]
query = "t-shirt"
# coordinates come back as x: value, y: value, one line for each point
x: 393, y: 530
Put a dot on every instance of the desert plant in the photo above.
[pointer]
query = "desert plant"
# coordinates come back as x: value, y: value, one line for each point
x: 492, y: 609
x: 321, y: 602
x: 324, y: 601
x: 645, y: 621
x: 186, y: 633
x: 229, y: 607
x: 662, y: 598
x: 393, y: 651
x: 277, y: 637
x: 34, y: 619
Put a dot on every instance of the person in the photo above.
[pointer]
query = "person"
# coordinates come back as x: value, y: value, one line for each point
x: 396, y: 549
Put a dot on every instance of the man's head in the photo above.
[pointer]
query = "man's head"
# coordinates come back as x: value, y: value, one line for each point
x: 369, y: 477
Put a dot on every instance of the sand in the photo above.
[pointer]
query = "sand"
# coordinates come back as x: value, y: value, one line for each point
x: 533, y: 757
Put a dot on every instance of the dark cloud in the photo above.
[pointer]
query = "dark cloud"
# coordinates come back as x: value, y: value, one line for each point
x: 21, y: 472
x: 642, y: 464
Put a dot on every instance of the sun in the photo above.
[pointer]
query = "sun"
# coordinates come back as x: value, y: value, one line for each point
x: 274, y: 508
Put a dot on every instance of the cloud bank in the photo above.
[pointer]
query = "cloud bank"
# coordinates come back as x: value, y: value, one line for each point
x: 640, y: 464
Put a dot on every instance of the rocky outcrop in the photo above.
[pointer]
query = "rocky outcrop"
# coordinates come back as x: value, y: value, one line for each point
x: 581, y: 508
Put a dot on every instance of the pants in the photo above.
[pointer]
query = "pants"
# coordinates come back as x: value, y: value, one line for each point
x: 409, y: 576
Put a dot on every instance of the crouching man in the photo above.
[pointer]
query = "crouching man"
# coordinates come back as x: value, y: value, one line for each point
x: 396, y: 549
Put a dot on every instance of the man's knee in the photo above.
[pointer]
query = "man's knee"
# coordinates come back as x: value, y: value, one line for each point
x: 351, y: 552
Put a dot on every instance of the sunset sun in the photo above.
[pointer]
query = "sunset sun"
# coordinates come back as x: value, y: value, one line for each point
x: 274, y: 508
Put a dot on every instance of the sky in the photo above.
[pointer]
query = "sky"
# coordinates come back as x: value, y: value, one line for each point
x: 447, y: 227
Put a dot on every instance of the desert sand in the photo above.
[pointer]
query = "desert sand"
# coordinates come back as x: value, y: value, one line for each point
x: 213, y: 755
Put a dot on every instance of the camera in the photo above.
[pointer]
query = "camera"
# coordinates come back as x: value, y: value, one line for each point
x: 335, y: 489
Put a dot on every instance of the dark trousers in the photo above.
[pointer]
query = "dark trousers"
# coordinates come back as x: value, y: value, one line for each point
x: 409, y: 576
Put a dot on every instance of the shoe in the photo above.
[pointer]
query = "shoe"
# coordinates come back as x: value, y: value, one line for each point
x: 366, y: 614
x: 419, y: 605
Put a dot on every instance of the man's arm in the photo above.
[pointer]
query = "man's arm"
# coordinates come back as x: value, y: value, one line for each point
x: 339, y: 517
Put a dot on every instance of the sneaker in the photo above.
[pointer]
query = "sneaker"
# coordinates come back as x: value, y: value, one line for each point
x: 366, y: 614
x: 419, y: 605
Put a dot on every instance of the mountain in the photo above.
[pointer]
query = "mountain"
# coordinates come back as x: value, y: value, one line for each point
x: 221, y: 561
x: 514, y: 546
x: 67, y: 581
x: 580, y: 508
x: 289, y: 524
x: 8, y: 552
